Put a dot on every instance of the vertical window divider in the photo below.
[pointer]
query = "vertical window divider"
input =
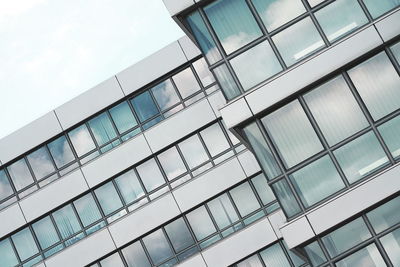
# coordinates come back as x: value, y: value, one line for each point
x: 316, y: 23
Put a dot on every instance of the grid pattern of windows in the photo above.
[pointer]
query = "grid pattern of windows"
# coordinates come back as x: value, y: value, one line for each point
x: 269, y: 36
x: 332, y: 136
x: 105, y: 131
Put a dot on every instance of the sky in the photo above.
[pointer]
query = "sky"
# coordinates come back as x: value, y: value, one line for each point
x: 53, y: 50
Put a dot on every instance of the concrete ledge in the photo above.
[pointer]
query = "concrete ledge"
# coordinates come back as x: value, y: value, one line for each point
x: 189, y: 48
x: 299, y: 230
x: 195, y: 261
x: 389, y: 27
x: 11, y: 218
x: 249, y: 163
x: 236, y: 112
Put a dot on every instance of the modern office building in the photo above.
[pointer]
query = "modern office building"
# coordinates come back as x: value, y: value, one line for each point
x: 268, y: 136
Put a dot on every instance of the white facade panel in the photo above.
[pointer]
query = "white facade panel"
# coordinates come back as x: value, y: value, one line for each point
x: 11, y: 218
x: 195, y: 261
x: 144, y: 220
x: 53, y: 195
x: 389, y: 27
x: 189, y: 48
x: 176, y: 6
x: 311, y: 71
x: 295, y: 232
x: 116, y: 160
x: 236, y: 112
x: 217, y: 101
x: 151, y: 68
x: 240, y: 245
x: 277, y: 220
x: 209, y: 184
x: 179, y: 125
x: 88, y: 103
x: 83, y: 252
x: 249, y: 163
x: 29, y: 137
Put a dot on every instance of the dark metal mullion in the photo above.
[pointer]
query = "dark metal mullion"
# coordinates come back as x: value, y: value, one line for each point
x: 36, y: 240
x: 124, y: 205
x: 317, y: 25
x: 162, y: 172
x: 186, y: 221
x: 188, y: 170
x: 235, y: 208
x: 61, y: 241
x: 392, y: 57
x: 11, y: 182
x: 53, y: 161
x: 286, y: 254
x: 35, y: 180
x: 155, y: 101
x: 14, y: 248
x: 118, y: 135
x: 92, y: 136
x: 365, y: 10
x: 145, y: 249
x: 210, y: 158
x: 78, y: 218
x: 138, y: 123
x: 197, y: 77
x: 175, y: 254
x: 72, y: 150
x: 147, y: 194
x: 217, y: 230
x: 231, y: 145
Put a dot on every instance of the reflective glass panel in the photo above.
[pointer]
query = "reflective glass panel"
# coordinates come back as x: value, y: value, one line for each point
x: 390, y: 133
x: 20, y: 174
x: 275, y: 13
x: 150, y: 174
x: 186, y: 83
x: 108, y: 198
x: 361, y: 157
x: 172, y: 163
x: 298, y: 41
x: 61, y: 151
x: 41, y: 163
x: 193, y: 151
x: 25, y: 244
x: 129, y: 186
x: 179, y: 234
x: 396, y: 50
x: 378, y: 84
x: 157, y: 246
x: 144, y: 106
x: 5, y: 186
x: 102, y: 129
x: 317, y: 181
x: 315, y: 254
x: 87, y: 209
x: 346, y: 237
x: 286, y: 198
x: 201, y: 223
x: 45, y: 232
x: 292, y: 133
x: 385, y: 215
x: 123, y: 117
x: 135, y: 256
x: 7, y: 255
x: 215, y: 139
x: 261, y: 60
x: 233, y: 23
x: 368, y: 256
x: 228, y: 84
x: 391, y: 244
x: 66, y: 221
x: 377, y: 8
x: 340, y: 18
x: 112, y: 261
x: 336, y: 111
x: 263, y: 189
x: 81, y: 140
x: 245, y: 199
x: 165, y: 94
x: 314, y: 2
x: 275, y: 256
x: 253, y: 261
x: 203, y: 72
x: 223, y: 211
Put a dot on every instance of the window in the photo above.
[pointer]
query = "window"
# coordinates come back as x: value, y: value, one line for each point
x: 186, y: 83
x: 25, y: 244
x: 223, y: 211
x: 45, y: 232
x: 315, y: 2
x: 87, y: 210
x: 66, y: 221
x: 129, y: 186
x: 226, y: 81
x: 368, y: 256
x: 245, y: 199
x: 135, y: 255
x: 108, y: 198
x: 215, y: 139
x: 263, y: 189
x: 385, y: 215
x: 202, y: 71
x: 61, y: 151
x: 144, y: 106
x: 150, y: 174
x: 390, y: 133
x: 286, y: 198
x: 81, y: 140
x: 7, y: 255
x: 315, y: 254
x: 123, y: 117
x: 377, y: 8
x: 157, y: 246
x: 112, y: 261
x: 179, y: 235
x: 233, y: 23
x: 165, y: 95
x: 193, y: 151
x: 41, y: 162
x: 201, y: 223
x: 253, y: 261
x: 391, y: 244
x: 20, y: 174
x: 102, y: 129
x: 274, y: 256
x: 5, y: 186
x: 172, y: 163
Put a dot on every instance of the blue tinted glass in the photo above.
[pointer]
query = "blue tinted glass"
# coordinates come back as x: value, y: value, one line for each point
x: 157, y: 246
x: 45, y: 232
x: 20, y: 174
x: 129, y: 186
x: 179, y: 234
x: 5, y: 187
x: 135, y: 256
x: 385, y: 216
x: 41, y: 163
x: 123, y: 117
x: 81, y: 140
x: 66, y: 221
x: 286, y: 198
x: 102, y: 129
x: 25, y: 244
x: 144, y: 106
x: 225, y: 79
x: 150, y: 174
x: 7, y: 255
x: 390, y: 132
x: 87, y: 209
x: 112, y: 261
x: 165, y: 94
x: 61, y: 151
x: 275, y: 256
x: 108, y: 198
x: 377, y: 8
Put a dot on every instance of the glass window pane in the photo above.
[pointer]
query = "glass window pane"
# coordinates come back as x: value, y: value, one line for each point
x: 340, y: 18
x: 228, y: 84
x: 172, y: 163
x: 396, y: 49
x: 87, y: 209
x: 5, y: 186
x: 263, y: 189
x: 390, y: 133
x: 102, y: 129
x: 25, y: 244
x: 262, y: 61
x: 314, y: 2
x: 45, y: 232
x: 223, y: 211
x: 335, y: 110
x: 298, y: 41
x: 157, y: 246
x: 150, y: 174
x: 20, y: 174
x: 203, y: 72
x: 215, y: 139
x: 275, y: 13
x: 108, y: 198
x: 244, y: 199
x: 316, y: 181
x: 201, y: 223
x: 7, y: 255
x: 144, y: 106
x: 165, y: 94
x: 193, y: 151
x: 186, y: 83
x: 275, y: 256
x: 385, y: 215
x: 135, y: 256
x: 81, y: 140
x: 123, y: 117
x: 129, y: 186
x: 253, y: 261
x: 361, y: 157
x: 391, y: 244
x: 66, y: 221
x: 41, y: 163
x: 346, y: 237
x: 292, y: 133
x: 61, y: 151
x: 112, y: 261
x: 179, y: 234
x: 368, y: 256
x: 315, y: 254
x: 286, y: 198
x: 378, y: 83
x: 262, y: 151
x: 377, y: 8
x: 233, y: 23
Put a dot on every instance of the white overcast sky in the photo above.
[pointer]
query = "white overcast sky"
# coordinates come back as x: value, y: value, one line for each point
x: 53, y: 50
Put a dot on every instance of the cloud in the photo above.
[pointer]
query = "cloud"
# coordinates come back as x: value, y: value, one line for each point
x: 17, y: 7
